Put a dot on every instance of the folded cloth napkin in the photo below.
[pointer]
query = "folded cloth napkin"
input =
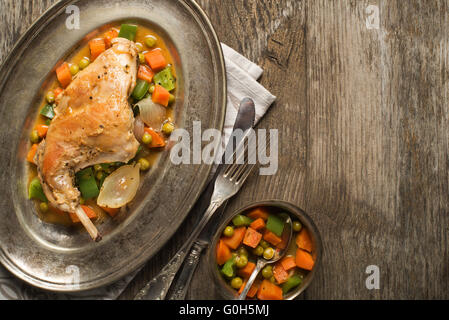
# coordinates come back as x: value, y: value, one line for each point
x: 242, y: 76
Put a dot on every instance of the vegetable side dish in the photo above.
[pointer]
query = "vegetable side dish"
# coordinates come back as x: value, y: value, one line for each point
x: 102, y: 122
x: 259, y: 233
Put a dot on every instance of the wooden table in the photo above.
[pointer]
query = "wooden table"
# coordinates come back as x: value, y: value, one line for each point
x: 362, y: 115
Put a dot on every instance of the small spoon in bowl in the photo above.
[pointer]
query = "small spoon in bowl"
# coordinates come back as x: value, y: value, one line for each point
x: 262, y: 262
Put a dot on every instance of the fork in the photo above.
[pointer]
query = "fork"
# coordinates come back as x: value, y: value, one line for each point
x: 227, y: 184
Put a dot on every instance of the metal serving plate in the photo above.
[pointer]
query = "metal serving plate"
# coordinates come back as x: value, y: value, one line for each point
x: 45, y: 255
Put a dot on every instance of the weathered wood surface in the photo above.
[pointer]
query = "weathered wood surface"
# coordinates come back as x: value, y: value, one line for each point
x: 362, y: 115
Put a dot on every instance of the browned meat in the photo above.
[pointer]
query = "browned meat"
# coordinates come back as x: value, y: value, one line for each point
x: 93, y: 124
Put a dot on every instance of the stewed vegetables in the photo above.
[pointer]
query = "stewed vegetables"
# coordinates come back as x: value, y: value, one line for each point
x: 259, y: 233
x: 153, y: 100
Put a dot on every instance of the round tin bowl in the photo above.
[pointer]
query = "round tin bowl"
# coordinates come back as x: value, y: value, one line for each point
x: 275, y: 206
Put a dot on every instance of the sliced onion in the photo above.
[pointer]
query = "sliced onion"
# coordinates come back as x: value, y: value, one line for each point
x: 120, y: 187
x: 139, y: 128
x: 152, y: 114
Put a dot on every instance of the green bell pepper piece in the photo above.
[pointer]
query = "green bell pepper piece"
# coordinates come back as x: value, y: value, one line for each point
x: 87, y: 183
x: 35, y: 190
x: 229, y: 268
x: 48, y: 111
x: 165, y: 78
x: 291, y: 283
x: 275, y: 225
x: 128, y: 31
x: 241, y: 220
x: 141, y: 89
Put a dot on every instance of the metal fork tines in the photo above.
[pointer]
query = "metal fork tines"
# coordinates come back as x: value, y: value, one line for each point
x: 227, y: 184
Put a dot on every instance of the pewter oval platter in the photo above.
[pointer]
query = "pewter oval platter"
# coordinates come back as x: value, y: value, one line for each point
x: 44, y: 254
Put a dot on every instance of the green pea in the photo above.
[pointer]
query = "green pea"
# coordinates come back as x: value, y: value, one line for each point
x: 144, y: 164
x: 141, y: 58
x: 228, y: 231
x: 98, y: 167
x: 268, y: 253
x: 297, y: 226
x: 258, y: 251
x: 241, y: 261
x: 50, y: 97
x: 34, y: 136
x: 152, y: 87
x: 147, y: 138
x: 99, y: 175
x: 243, y: 252
x: 273, y: 279
x: 267, y: 272
x: 150, y: 41
x: 43, y: 206
x: 236, y: 283
x: 83, y: 63
x: 74, y: 69
x: 234, y: 255
x: 172, y: 99
x: 264, y: 244
x: 168, y: 128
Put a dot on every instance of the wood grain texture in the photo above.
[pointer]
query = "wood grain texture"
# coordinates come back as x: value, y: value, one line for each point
x: 362, y: 116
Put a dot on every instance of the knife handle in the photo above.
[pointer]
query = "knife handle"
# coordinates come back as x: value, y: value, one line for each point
x: 180, y: 287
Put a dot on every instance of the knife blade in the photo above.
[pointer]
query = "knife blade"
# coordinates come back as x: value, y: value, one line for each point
x: 244, y: 121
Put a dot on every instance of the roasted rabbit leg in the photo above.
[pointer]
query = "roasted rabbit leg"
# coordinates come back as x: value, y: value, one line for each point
x: 93, y: 124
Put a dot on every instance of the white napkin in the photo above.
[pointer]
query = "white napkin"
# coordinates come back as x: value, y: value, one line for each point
x: 242, y: 76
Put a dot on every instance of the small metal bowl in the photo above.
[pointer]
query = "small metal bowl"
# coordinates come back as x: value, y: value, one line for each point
x: 225, y: 289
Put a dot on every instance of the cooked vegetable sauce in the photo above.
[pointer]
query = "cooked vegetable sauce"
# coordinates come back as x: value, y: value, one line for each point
x: 89, y: 181
x: 259, y: 233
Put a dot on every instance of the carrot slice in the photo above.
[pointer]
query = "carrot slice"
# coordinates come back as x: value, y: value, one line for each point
x: 269, y: 291
x: 145, y: 73
x: 223, y: 253
x: 247, y: 270
x: 304, y: 260
x: 252, y: 238
x: 258, y: 224
x: 32, y: 153
x: 253, y: 290
x: 90, y: 213
x: 158, y: 141
x: 161, y: 95
x: 304, y: 241
x: 258, y: 213
x: 42, y: 130
x: 288, y: 263
x: 111, y: 211
x: 236, y: 239
x: 243, y: 286
x: 279, y: 273
x: 63, y: 74
x: 156, y: 59
x: 97, y: 47
x: 271, y: 238
x: 109, y: 36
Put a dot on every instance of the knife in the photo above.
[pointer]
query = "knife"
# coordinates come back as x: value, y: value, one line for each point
x: 178, y: 290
